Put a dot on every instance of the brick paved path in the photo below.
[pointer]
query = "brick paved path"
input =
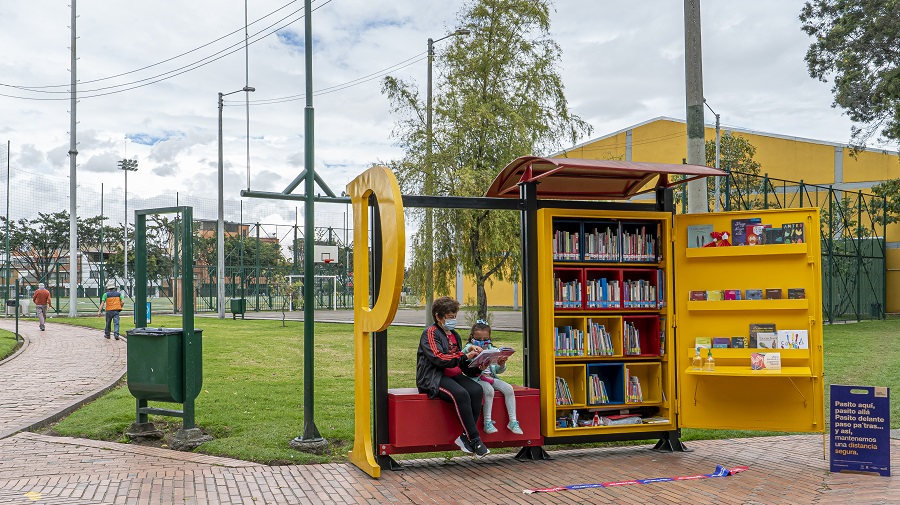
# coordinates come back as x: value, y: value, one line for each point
x: 65, y: 365
x: 55, y: 372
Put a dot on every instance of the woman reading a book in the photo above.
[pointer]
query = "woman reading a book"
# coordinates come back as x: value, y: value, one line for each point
x: 481, y: 337
x: 443, y: 371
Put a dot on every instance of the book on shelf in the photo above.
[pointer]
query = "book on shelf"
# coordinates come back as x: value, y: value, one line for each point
x: 792, y: 233
x: 567, y: 294
x: 738, y: 342
x: 753, y: 294
x: 632, y: 339
x: 766, y: 340
x: 773, y: 294
x: 756, y: 328
x: 721, y: 342
x: 774, y: 235
x: 796, y: 293
x: 699, y: 235
x: 698, y: 296
x: 634, y: 393
x: 599, y: 341
x: 603, y: 293
x: 765, y: 361
x: 732, y: 294
x: 715, y: 295
x: 739, y: 229
x: 703, y: 342
x: 597, y: 394
x: 615, y: 420
x: 662, y: 336
x: 638, y: 244
x: 793, y: 339
x: 601, y: 242
x: 563, y: 395
x: 756, y: 234
x: 654, y: 420
x: 566, y: 245
x: 568, y: 341
x: 491, y: 356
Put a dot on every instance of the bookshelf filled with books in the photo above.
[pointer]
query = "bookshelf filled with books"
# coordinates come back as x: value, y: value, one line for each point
x: 756, y: 304
x: 609, y: 276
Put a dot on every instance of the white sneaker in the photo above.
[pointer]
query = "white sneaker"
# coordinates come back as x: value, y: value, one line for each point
x: 489, y: 427
x: 515, y: 428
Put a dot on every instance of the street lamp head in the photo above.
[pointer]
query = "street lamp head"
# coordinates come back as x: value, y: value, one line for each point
x: 462, y: 31
x: 248, y: 88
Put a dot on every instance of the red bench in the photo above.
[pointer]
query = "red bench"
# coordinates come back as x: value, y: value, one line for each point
x: 419, y: 424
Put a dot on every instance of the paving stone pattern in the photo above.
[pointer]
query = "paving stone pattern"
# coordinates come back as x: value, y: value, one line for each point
x: 63, y: 366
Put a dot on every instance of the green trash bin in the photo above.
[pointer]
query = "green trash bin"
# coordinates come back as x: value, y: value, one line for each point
x: 156, y: 364
x: 238, y: 306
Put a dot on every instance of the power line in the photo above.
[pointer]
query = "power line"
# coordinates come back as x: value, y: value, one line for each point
x: 172, y: 73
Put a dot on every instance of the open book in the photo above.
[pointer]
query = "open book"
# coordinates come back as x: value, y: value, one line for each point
x: 491, y: 356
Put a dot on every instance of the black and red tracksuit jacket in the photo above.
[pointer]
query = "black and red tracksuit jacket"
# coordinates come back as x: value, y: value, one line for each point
x: 434, y: 355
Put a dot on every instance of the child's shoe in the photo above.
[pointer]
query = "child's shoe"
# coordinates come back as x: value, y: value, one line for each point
x: 489, y: 427
x: 514, y: 427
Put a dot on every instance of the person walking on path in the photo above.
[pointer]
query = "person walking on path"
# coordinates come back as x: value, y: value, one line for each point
x: 112, y: 302
x: 41, y: 299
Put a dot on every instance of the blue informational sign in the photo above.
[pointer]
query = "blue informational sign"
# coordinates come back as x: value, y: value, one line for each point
x: 148, y: 315
x: 861, y: 429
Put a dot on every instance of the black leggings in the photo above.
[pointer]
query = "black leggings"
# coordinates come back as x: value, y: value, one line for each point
x: 466, y: 396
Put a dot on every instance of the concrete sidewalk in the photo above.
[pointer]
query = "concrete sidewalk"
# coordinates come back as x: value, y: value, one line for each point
x: 64, y: 366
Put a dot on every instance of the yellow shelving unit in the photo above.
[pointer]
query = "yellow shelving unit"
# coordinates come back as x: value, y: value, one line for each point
x: 733, y: 396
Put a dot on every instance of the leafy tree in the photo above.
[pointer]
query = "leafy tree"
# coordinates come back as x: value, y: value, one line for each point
x: 736, y: 157
x: 858, y: 42
x: 499, y: 96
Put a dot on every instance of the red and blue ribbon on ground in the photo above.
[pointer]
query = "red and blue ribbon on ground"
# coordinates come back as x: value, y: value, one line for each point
x: 720, y: 471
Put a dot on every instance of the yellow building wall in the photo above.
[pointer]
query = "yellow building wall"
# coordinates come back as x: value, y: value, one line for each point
x: 871, y: 166
x: 500, y: 294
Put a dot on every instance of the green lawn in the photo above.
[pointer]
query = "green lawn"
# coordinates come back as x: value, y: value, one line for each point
x: 7, y: 343
x: 252, y: 395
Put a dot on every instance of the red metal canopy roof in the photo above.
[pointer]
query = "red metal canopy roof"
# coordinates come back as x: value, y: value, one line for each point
x: 578, y: 179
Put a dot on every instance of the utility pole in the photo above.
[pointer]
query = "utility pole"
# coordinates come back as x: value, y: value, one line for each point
x: 693, y: 76
x: 73, y: 200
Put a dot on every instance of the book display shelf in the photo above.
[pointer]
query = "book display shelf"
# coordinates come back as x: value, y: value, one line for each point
x: 626, y: 298
x: 605, y: 282
x: 734, y: 396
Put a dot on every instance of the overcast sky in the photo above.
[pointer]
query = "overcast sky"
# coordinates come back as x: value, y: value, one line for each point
x: 622, y: 63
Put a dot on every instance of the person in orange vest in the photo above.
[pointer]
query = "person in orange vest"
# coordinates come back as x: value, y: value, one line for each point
x: 41, y: 299
x: 112, y: 302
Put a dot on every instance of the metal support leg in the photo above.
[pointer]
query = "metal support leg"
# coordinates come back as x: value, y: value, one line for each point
x: 671, y: 442
x: 141, y: 416
x: 532, y: 453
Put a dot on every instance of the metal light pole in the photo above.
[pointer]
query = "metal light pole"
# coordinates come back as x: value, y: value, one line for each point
x: 429, y: 186
x: 220, y: 234
x: 127, y: 165
x: 718, y: 150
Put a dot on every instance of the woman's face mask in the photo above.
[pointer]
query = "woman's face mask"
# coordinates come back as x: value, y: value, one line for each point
x: 449, y: 324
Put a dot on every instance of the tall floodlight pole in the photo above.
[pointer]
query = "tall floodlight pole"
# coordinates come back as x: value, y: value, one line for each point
x: 7, y: 220
x: 73, y: 200
x: 693, y: 74
x: 311, y: 440
x: 429, y: 185
x: 718, y: 150
x: 220, y: 234
x: 126, y: 166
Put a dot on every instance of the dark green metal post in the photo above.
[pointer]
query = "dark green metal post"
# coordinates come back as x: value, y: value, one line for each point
x: 191, y: 345
x: 57, y: 286
x: 858, y: 254
x: 884, y: 258
x: 766, y: 191
x: 140, y: 270
x: 176, y: 268
x: 311, y: 439
x: 830, y: 243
